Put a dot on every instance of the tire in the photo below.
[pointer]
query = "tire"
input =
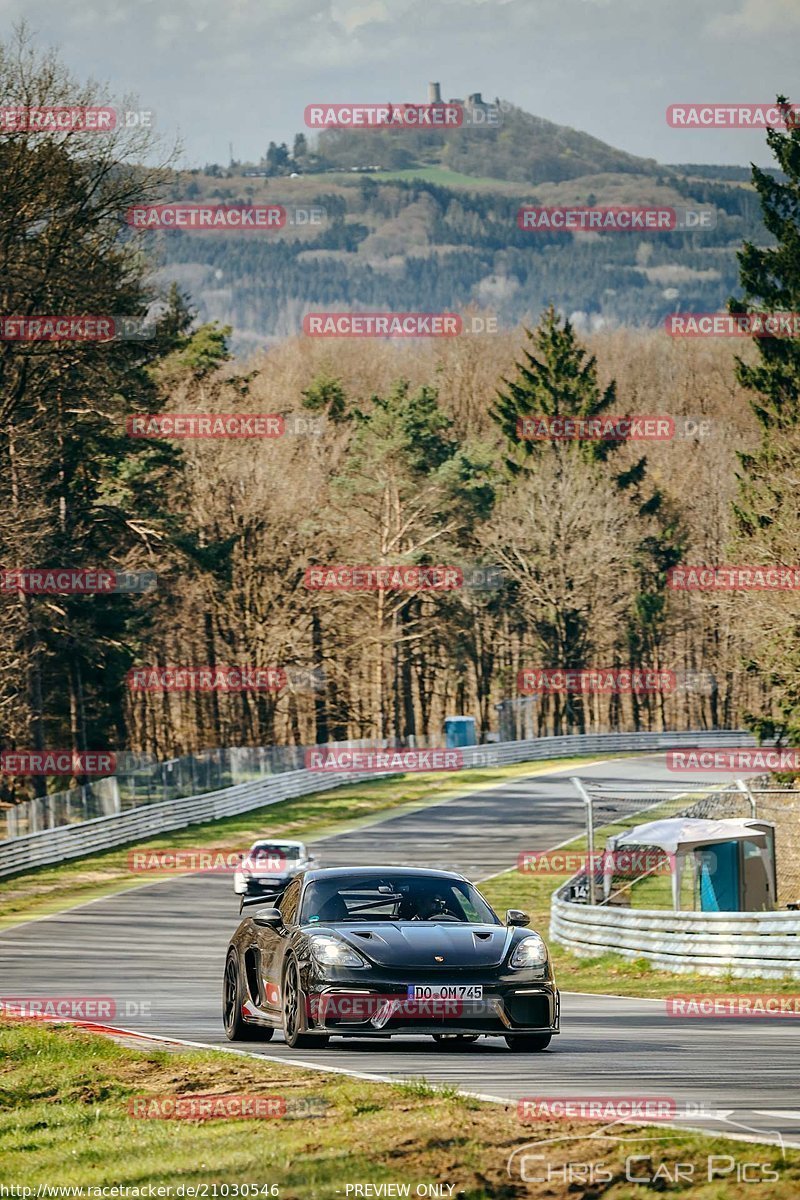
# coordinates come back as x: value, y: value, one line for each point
x: 454, y: 1041
x: 294, y: 1013
x: 527, y: 1043
x: 236, y: 1028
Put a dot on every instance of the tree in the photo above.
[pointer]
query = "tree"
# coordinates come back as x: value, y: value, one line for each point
x: 770, y: 279
x: 277, y: 158
x: 326, y: 394
x: 407, y: 494
x: 559, y: 379
x: 767, y: 508
x: 75, y: 490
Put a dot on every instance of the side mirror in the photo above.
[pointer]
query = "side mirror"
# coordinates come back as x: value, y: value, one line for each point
x: 515, y: 916
x: 270, y: 917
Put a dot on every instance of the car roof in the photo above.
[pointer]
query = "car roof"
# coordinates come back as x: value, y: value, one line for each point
x: 348, y: 872
x: 266, y: 841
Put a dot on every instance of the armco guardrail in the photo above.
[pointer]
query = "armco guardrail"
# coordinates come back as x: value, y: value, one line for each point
x: 765, y: 944
x: 49, y: 846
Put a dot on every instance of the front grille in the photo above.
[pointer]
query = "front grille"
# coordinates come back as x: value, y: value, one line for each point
x: 486, y: 1024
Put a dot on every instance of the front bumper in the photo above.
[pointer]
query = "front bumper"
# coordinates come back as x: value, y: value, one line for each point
x: 380, y: 1006
x: 266, y: 887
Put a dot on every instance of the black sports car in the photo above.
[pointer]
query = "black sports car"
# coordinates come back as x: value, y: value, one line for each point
x: 376, y: 951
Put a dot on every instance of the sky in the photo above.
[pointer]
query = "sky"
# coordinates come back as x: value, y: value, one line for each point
x: 243, y: 71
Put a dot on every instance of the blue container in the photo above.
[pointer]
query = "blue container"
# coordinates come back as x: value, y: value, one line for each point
x: 719, y: 877
x: 459, y: 731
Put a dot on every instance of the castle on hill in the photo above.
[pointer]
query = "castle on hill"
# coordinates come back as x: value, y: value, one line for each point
x: 472, y: 102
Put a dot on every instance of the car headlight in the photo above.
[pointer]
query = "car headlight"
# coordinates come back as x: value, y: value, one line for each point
x: 330, y: 952
x: 530, y: 952
x: 239, y: 882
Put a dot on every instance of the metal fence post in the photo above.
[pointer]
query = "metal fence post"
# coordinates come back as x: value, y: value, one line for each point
x: 587, y: 800
x: 744, y: 787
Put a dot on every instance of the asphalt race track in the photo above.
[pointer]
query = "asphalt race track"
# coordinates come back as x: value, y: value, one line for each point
x: 159, y: 952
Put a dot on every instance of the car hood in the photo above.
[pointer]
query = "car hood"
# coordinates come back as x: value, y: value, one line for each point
x: 418, y: 943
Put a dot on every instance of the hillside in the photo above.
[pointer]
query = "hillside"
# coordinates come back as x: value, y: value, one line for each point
x: 522, y: 148
x: 435, y: 229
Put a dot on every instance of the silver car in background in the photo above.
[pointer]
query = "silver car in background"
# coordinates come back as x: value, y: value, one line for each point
x: 269, y: 866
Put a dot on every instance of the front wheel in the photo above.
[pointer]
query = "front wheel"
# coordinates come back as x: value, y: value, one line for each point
x: 529, y: 1042
x: 294, y: 1014
x: 236, y: 1028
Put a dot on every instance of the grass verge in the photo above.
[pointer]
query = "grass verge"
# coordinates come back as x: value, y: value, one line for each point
x: 66, y: 1097
x: 53, y: 889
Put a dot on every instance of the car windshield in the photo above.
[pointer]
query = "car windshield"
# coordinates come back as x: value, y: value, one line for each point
x: 395, y: 898
x: 273, y: 854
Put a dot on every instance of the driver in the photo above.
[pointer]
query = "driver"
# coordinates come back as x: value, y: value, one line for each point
x: 426, y: 905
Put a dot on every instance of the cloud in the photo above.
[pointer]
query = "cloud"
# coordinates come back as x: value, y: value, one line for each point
x: 352, y: 14
x: 757, y: 17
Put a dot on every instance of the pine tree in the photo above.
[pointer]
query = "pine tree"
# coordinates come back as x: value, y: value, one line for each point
x: 767, y: 509
x: 770, y: 278
x: 559, y: 379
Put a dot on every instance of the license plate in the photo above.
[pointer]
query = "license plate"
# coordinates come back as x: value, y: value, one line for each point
x: 445, y: 991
